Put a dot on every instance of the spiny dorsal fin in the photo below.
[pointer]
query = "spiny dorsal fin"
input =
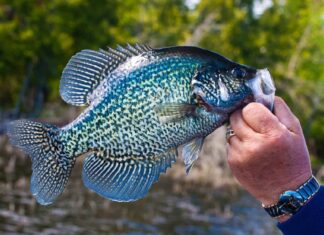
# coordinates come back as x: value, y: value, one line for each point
x: 88, y: 68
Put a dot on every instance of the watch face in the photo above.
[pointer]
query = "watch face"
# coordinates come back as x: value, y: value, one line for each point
x: 290, y: 202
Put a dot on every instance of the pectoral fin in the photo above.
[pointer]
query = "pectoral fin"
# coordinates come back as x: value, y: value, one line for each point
x: 190, y: 152
x: 174, y: 112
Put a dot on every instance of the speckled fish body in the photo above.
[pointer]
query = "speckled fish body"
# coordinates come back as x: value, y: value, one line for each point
x: 124, y: 119
x: 143, y: 103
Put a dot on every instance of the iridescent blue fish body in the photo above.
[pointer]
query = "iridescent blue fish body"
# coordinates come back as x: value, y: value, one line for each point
x: 143, y: 104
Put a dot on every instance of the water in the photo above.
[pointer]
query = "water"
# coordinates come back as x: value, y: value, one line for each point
x: 170, y: 208
x: 173, y: 206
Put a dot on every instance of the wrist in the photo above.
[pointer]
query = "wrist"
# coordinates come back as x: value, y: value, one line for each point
x: 291, y: 201
x: 283, y: 218
x: 271, y: 196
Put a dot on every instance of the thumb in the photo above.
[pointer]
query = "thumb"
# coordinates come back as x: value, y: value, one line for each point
x: 285, y: 116
x: 260, y: 118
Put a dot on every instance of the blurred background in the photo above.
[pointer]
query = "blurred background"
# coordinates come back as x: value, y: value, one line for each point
x: 38, y: 37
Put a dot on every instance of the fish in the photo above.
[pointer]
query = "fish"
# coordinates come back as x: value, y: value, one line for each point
x: 144, y: 106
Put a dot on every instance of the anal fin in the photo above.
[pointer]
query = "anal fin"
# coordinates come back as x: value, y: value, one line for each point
x: 125, y: 178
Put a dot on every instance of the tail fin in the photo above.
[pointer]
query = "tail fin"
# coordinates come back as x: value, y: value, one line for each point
x: 51, y: 165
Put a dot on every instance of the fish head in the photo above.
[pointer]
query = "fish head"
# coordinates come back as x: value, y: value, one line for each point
x: 227, y: 89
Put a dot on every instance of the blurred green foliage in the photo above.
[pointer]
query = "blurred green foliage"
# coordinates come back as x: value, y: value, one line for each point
x: 37, y: 38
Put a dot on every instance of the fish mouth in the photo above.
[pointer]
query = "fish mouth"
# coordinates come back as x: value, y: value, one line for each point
x: 263, y: 88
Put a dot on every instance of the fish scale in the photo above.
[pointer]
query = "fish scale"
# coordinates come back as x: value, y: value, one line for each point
x: 153, y: 136
x: 143, y: 104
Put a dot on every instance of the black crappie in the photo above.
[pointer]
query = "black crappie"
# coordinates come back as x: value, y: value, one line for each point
x: 142, y: 104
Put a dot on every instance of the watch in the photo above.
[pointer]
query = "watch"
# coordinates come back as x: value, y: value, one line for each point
x: 292, y: 200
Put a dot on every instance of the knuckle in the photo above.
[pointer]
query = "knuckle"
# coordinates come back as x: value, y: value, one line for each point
x: 251, y: 150
x: 296, y: 121
x: 235, y: 163
x: 233, y: 159
x: 278, y: 136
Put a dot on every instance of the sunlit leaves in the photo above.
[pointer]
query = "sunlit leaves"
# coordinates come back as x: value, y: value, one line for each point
x: 287, y: 37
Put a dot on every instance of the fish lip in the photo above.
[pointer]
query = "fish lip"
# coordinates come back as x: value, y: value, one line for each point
x: 263, y: 88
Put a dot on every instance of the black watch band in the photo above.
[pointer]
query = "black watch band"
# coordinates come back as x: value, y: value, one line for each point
x: 291, y: 201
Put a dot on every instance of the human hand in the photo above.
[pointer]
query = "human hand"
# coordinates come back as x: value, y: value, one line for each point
x: 268, y: 155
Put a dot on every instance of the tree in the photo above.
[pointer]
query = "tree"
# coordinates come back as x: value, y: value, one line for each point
x: 38, y: 37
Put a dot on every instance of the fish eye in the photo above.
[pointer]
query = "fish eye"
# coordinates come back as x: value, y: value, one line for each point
x: 239, y: 72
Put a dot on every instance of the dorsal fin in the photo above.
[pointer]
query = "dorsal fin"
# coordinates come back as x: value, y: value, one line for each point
x: 88, y: 68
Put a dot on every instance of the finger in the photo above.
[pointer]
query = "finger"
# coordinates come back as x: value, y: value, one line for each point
x: 232, y: 138
x: 285, y: 115
x: 259, y: 118
x: 233, y: 149
x: 234, y: 142
x: 241, y: 129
